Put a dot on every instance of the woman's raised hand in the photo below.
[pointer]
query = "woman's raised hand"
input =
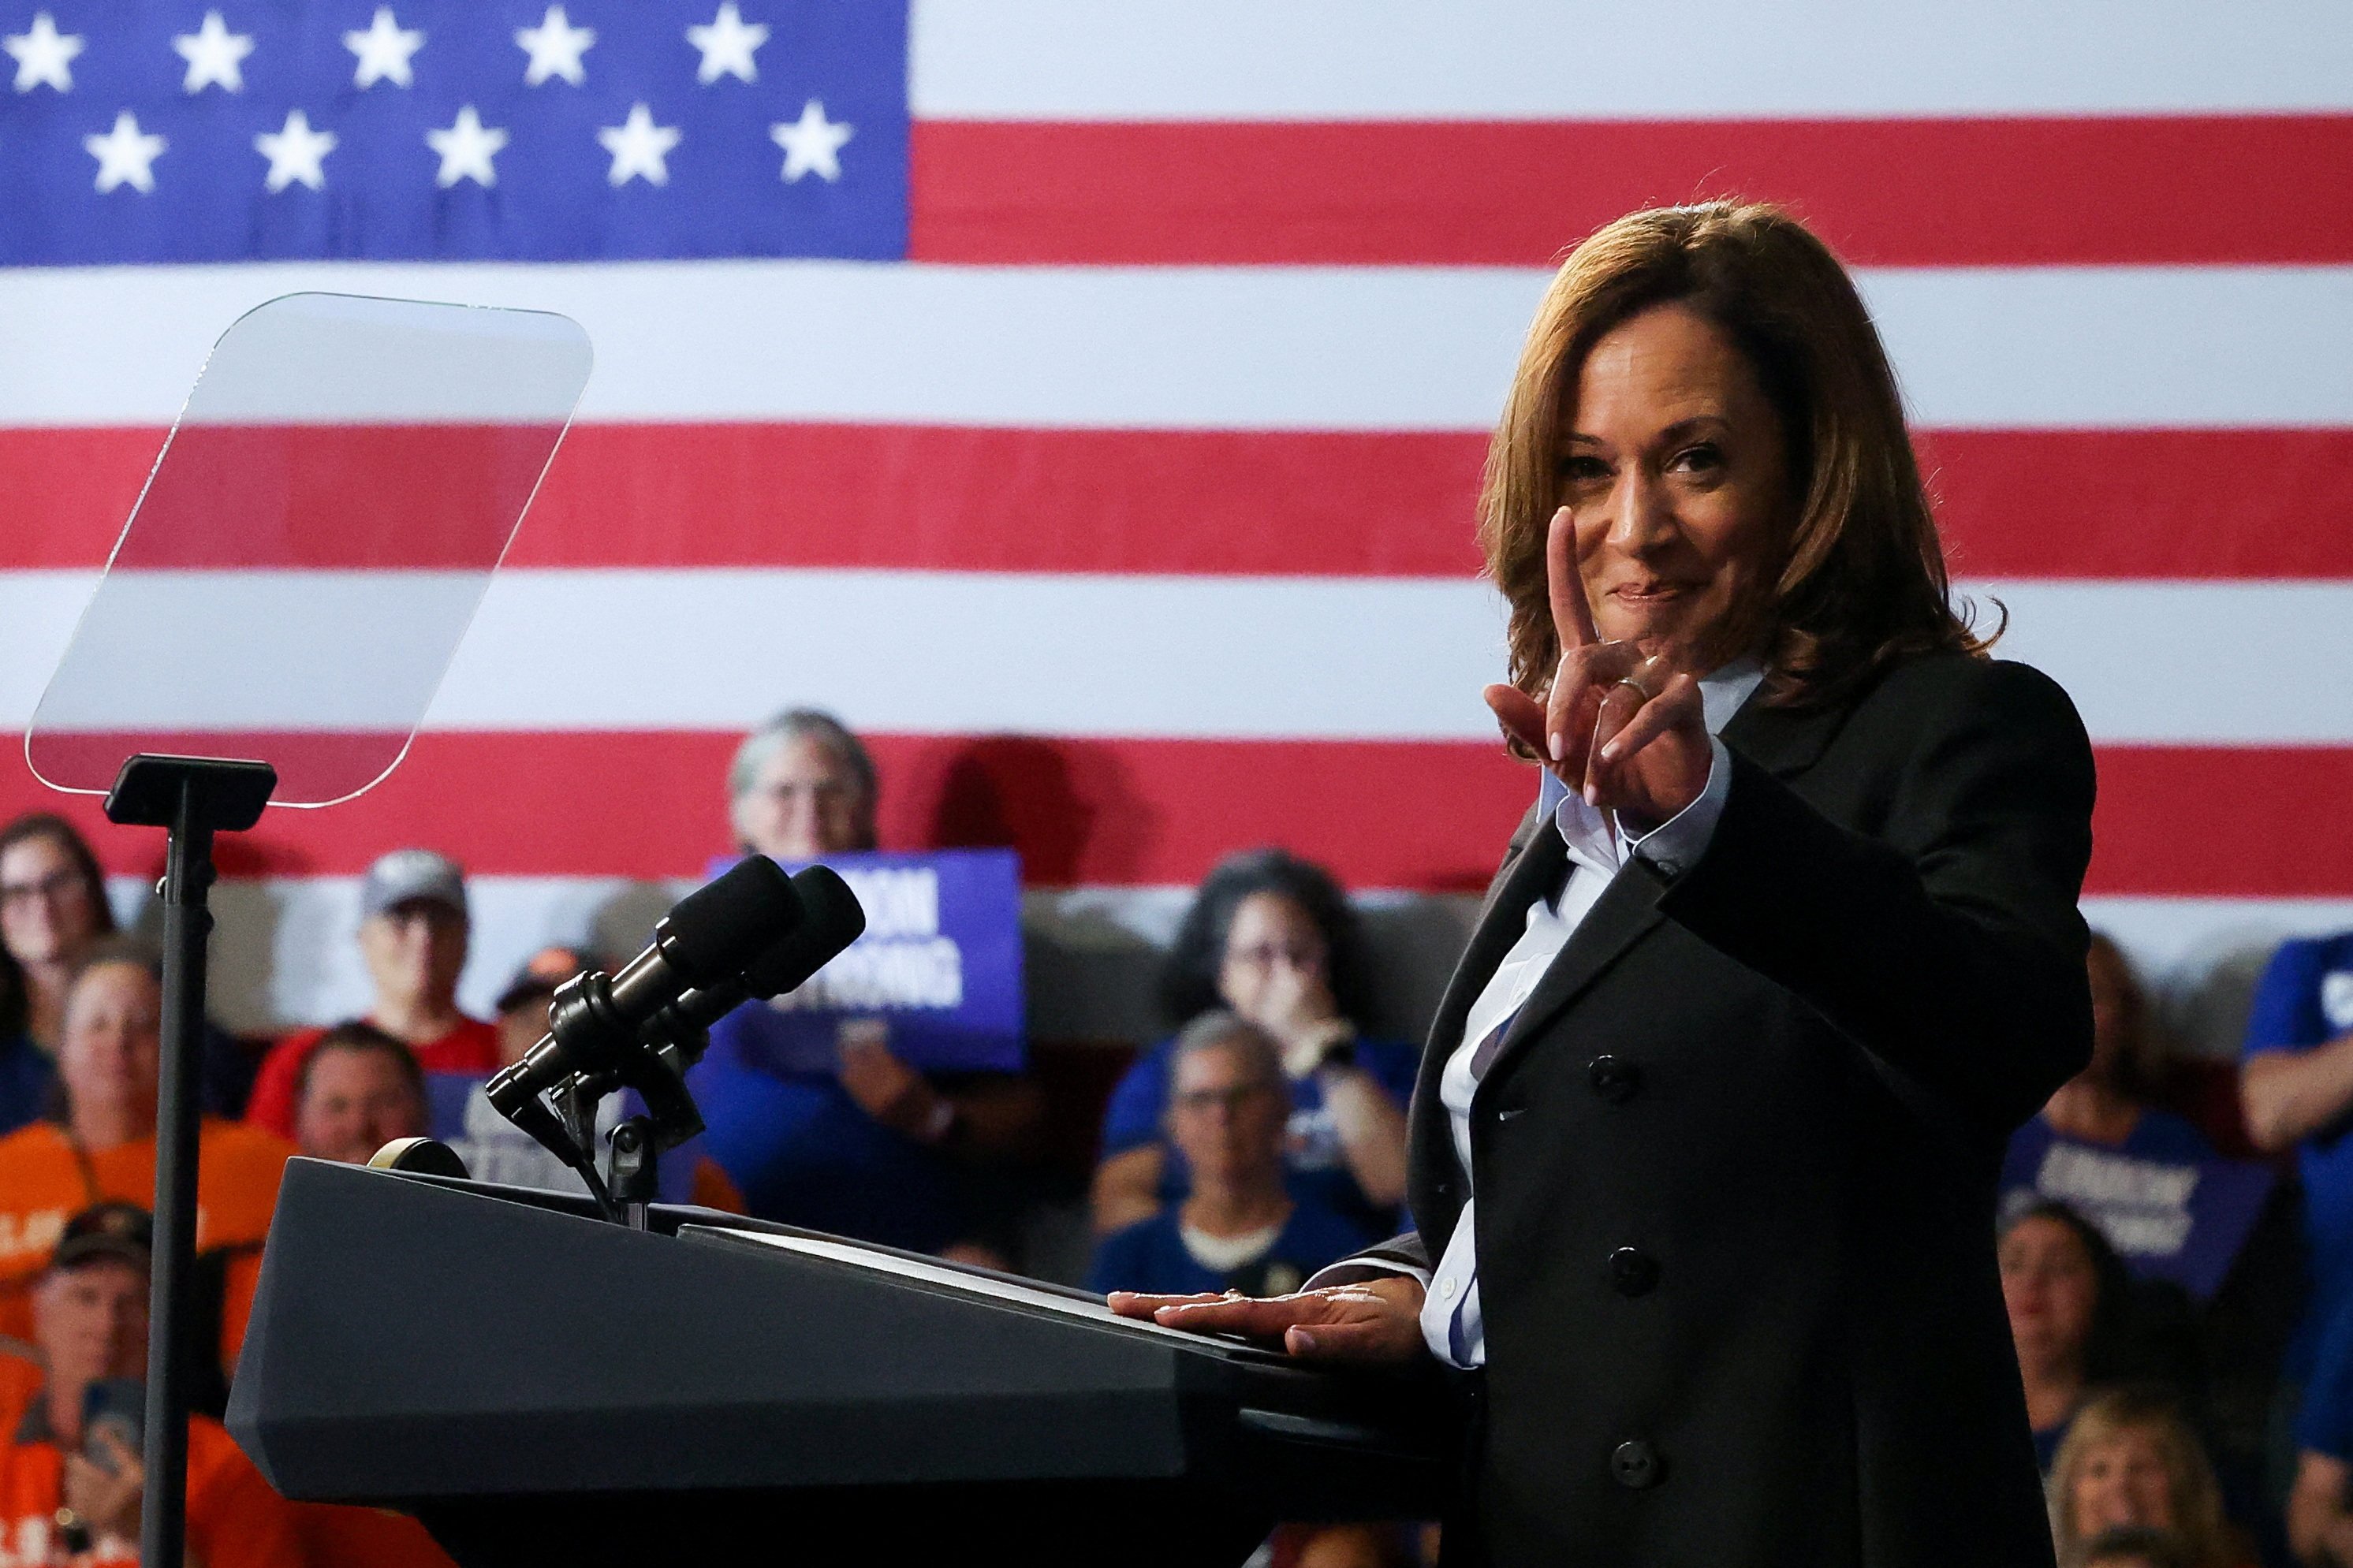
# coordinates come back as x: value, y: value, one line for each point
x: 1374, y: 1320
x: 1623, y: 727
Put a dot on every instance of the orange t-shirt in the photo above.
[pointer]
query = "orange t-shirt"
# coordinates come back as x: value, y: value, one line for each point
x: 235, y: 1519
x: 337, y: 1537
x: 44, y: 1182
x: 472, y: 1047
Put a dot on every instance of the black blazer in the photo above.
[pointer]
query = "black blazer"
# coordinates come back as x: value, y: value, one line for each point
x: 1737, y: 1161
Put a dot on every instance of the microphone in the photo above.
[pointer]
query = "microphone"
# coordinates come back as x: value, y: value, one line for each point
x: 707, y: 938
x: 830, y: 920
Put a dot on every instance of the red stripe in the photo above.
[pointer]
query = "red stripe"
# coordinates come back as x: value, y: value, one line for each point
x: 354, y: 497
x: 1893, y: 193
x: 2069, y: 503
x: 1428, y: 817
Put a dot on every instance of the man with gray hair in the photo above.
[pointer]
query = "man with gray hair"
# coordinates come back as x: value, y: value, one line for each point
x: 1237, y: 1228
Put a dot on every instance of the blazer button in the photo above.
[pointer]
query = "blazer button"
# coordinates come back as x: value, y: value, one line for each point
x: 1636, y: 1466
x: 1633, y: 1272
x: 1614, y: 1078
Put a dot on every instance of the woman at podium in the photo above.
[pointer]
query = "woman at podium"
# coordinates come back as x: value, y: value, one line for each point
x: 1704, y: 1153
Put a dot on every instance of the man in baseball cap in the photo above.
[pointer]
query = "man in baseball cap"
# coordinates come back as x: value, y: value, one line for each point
x: 69, y: 1473
x: 413, y: 935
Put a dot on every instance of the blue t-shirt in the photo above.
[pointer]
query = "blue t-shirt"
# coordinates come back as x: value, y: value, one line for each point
x: 25, y: 1075
x: 802, y: 1151
x: 1138, y: 1114
x: 1150, y: 1256
x: 2305, y: 999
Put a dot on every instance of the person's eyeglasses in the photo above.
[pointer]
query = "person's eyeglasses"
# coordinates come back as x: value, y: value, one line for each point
x: 1264, y: 955
x: 49, y: 889
x: 1194, y: 1101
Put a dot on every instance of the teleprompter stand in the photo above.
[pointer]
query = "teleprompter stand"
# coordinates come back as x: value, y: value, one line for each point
x: 191, y: 798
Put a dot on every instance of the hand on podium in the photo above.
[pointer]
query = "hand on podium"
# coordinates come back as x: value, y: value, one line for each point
x: 1370, y: 1321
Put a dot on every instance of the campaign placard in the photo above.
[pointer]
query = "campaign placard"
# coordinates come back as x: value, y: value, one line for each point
x: 2168, y: 1216
x: 939, y: 968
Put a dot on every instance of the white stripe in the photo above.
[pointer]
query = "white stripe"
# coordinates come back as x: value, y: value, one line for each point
x: 1501, y: 59
x: 2201, y: 957
x: 1205, y: 348
x: 261, y: 650
x: 1206, y: 658
x: 325, y: 358
x: 284, y: 952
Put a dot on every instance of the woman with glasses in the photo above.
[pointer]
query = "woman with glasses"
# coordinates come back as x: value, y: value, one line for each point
x: 1272, y: 938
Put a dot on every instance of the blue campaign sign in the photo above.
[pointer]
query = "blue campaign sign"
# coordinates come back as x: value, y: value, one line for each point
x: 939, y: 966
x: 2171, y: 1215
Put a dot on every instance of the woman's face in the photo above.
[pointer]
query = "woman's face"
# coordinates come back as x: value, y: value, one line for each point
x: 47, y: 913
x: 1674, y: 468
x: 1273, y: 951
x: 112, y: 1041
x: 2123, y: 1481
x: 2051, y: 1290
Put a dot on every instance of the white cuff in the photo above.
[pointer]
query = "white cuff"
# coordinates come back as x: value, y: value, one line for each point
x: 1682, y: 839
x: 1357, y: 1270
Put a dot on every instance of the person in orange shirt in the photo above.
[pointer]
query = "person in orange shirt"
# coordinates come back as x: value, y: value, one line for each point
x: 103, y: 1147
x: 414, y: 931
x: 71, y: 1487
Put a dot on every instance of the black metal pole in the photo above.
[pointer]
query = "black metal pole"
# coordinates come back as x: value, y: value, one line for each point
x: 187, y: 922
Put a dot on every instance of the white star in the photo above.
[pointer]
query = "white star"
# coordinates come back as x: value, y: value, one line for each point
x: 214, y: 54
x: 555, y: 46
x: 811, y: 143
x: 383, y: 50
x: 639, y: 147
x: 44, y: 55
x: 296, y: 153
x: 465, y: 149
x: 727, y: 44
x: 125, y: 156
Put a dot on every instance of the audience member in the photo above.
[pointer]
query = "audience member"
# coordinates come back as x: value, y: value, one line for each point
x: 102, y: 1147
x: 2295, y: 1079
x: 70, y: 1485
x: 2134, y: 1546
x: 1272, y: 938
x: 360, y: 1088
x: 2320, y: 1503
x: 2171, y: 1206
x: 1238, y: 1227
x: 2066, y: 1291
x: 2109, y: 1102
x: 872, y: 1148
x: 413, y: 935
x: 53, y: 906
x: 2131, y: 1460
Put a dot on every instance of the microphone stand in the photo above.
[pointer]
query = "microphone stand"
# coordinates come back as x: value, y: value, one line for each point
x: 191, y: 798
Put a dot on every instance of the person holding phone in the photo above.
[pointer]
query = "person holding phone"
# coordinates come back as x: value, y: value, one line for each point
x: 1703, y: 1156
x: 71, y: 1486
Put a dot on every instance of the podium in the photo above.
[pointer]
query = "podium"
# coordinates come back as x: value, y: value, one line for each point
x: 540, y: 1386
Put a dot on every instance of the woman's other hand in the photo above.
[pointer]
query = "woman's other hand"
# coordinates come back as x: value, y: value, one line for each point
x: 1375, y: 1321
x: 1624, y: 729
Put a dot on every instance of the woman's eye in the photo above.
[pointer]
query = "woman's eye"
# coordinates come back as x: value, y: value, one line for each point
x: 1705, y: 457
x: 1582, y: 470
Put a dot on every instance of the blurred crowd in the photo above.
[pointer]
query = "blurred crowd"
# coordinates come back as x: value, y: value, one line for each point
x: 2176, y: 1236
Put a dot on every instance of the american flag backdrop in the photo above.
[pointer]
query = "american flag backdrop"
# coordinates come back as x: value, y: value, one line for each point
x: 1086, y: 400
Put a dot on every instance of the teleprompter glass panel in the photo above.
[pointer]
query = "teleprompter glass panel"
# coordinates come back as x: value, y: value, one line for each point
x: 313, y: 541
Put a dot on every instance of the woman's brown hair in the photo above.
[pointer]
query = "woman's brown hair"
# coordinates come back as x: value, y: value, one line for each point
x: 2190, y: 1479
x: 1861, y: 579
x: 14, y: 1004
